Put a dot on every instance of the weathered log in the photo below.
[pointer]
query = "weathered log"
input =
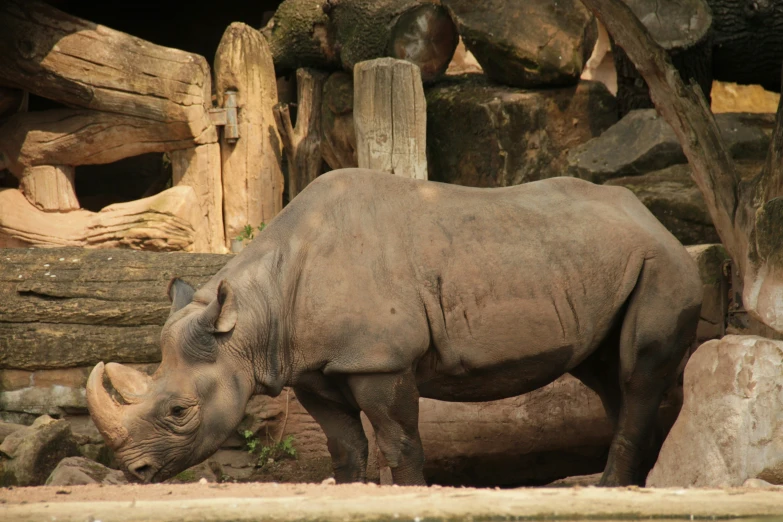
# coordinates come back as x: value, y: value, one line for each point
x: 251, y: 166
x: 747, y: 216
x: 338, y: 132
x: 302, y: 144
x: 747, y: 42
x: 527, y: 44
x: 78, y: 63
x: 331, y: 34
x: 682, y: 27
x: 200, y: 168
x: 65, y: 307
x: 169, y: 221
x: 50, y: 187
x: 390, y: 114
x: 81, y: 137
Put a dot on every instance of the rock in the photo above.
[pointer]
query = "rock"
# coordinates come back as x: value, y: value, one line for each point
x: 505, y: 136
x: 758, y: 483
x: 576, y: 481
x: 29, y: 455
x: 714, y: 305
x: 527, y: 44
x: 730, y: 425
x: 643, y: 142
x: 75, y: 471
x: 7, y: 428
x: 210, y: 471
x: 672, y: 196
x: 732, y: 97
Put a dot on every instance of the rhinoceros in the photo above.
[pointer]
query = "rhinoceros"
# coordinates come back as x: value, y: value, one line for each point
x: 370, y: 290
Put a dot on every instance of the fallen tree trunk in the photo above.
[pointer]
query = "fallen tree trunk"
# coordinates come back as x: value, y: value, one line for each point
x: 65, y: 307
x: 330, y: 34
x: 77, y: 63
x: 50, y: 188
x: 682, y: 28
x: 748, y: 42
x: 746, y: 215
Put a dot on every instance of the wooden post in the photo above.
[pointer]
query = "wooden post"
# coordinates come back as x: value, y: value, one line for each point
x: 390, y: 114
x: 302, y: 144
x: 199, y: 168
x: 251, y: 165
x: 50, y: 187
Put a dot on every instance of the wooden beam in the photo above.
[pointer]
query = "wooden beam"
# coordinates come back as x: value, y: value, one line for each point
x: 82, y: 64
x: 81, y: 137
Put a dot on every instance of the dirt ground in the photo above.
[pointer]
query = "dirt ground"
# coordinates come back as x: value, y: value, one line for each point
x: 368, y: 502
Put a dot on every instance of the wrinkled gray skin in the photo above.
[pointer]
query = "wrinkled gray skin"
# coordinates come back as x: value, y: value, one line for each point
x: 370, y: 290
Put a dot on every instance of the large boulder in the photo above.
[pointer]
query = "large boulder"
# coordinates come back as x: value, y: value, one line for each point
x: 485, y: 135
x: 29, y: 455
x: 527, y: 44
x: 730, y: 427
x: 75, y: 471
x: 643, y: 142
x: 673, y: 197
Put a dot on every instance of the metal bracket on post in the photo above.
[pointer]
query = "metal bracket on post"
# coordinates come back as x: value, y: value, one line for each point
x: 226, y: 117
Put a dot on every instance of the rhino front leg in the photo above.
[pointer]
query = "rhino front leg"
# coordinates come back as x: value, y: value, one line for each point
x: 391, y: 403
x: 342, y: 426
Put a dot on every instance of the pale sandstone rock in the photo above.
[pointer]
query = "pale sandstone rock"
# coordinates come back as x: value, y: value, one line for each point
x: 730, y: 427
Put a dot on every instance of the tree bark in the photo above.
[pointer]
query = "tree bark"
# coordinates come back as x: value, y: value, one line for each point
x: 682, y: 28
x: 338, y: 132
x: 50, y: 187
x: 302, y: 144
x: 52, y: 54
x: 390, y: 114
x: 65, y: 307
x: 200, y: 169
x: 81, y: 137
x: 169, y: 221
x: 251, y: 166
x: 748, y: 42
x: 746, y: 215
x: 330, y: 34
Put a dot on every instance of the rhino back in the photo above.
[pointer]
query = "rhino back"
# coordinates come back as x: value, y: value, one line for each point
x: 391, y: 270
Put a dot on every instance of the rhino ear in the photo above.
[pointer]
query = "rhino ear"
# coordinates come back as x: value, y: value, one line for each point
x: 180, y: 294
x: 221, y: 313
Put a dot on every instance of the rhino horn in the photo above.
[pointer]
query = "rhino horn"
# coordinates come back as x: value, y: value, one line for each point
x: 106, y: 413
x: 132, y: 385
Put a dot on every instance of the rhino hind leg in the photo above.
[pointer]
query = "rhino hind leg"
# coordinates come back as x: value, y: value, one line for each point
x: 658, y: 327
x: 391, y: 403
x: 342, y: 426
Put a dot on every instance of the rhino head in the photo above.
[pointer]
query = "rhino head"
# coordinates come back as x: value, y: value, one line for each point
x: 162, y: 424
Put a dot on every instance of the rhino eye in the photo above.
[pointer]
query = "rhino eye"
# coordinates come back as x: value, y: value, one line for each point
x: 178, y: 411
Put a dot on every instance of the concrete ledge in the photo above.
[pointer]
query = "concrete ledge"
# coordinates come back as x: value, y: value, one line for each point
x: 357, y: 502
